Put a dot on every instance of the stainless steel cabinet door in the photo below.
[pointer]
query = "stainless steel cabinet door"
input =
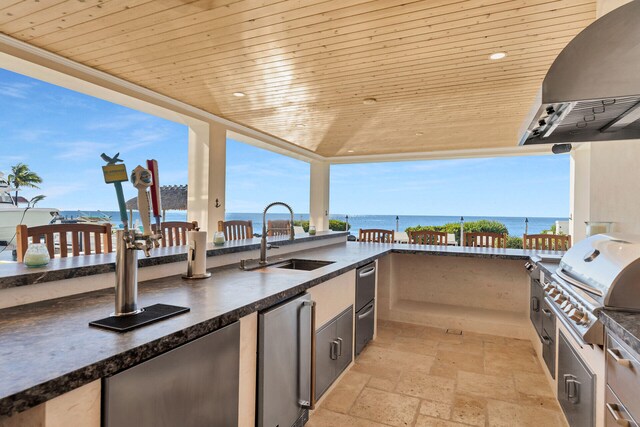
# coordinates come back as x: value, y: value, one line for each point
x: 535, y: 306
x: 326, y: 355
x: 195, y: 385
x: 334, y: 349
x: 576, y: 386
x: 284, y: 355
x: 345, y: 340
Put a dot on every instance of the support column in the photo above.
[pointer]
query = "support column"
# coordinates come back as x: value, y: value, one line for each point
x: 217, y: 175
x: 580, y: 190
x: 198, y: 174
x: 207, y: 175
x: 319, y: 195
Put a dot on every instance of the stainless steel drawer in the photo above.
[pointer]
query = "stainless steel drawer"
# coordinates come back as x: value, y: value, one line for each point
x: 616, y: 414
x: 623, y: 375
x: 365, y: 285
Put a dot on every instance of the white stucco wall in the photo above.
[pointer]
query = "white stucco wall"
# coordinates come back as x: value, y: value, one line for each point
x: 605, y: 186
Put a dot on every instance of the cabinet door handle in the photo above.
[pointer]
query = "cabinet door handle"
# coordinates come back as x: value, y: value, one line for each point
x: 547, y: 312
x: 619, y: 360
x: 573, y: 390
x: 546, y: 340
x: 367, y: 272
x: 339, y: 346
x: 614, y: 410
x: 311, y: 402
x: 366, y: 312
x: 535, y: 304
x: 333, y: 350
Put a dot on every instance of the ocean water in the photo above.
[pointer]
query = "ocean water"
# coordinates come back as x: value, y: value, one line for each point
x: 515, y: 225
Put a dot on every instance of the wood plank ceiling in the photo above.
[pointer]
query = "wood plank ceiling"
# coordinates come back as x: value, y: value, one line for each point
x: 307, y: 65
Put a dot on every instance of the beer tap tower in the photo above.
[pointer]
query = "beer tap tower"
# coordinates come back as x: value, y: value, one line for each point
x: 129, y: 241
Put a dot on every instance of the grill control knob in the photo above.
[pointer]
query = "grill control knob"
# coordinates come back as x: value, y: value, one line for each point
x: 548, y: 287
x: 567, y: 306
x: 559, y: 299
x: 576, y: 315
x: 553, y: 292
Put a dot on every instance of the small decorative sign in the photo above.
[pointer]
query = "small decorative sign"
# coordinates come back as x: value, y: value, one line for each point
x: 115, y: 173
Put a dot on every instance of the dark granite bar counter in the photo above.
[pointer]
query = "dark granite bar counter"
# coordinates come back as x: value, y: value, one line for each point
x: 47, y: 348
x: 623, y: 324
x: 17, y: 274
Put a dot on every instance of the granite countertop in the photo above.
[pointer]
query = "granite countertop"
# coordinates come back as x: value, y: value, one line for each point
x: 14, y: 274
x: 623, y: 324
x: 47, y: 348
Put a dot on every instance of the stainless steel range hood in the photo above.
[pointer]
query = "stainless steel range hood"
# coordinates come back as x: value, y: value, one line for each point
x: 592, y: 90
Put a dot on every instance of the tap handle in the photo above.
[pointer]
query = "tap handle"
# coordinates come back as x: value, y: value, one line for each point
x: 141, y: 179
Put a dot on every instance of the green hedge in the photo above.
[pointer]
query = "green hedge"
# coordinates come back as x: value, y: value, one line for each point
x: 483, y: 225
x: 334, y: 225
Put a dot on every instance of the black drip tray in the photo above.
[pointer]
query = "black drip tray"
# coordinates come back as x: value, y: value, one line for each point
x: 150, y: 314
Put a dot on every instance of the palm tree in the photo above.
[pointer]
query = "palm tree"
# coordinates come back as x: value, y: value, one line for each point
x: 22, y: 176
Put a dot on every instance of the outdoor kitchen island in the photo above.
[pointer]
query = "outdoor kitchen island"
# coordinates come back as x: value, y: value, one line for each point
x: 52, y: 361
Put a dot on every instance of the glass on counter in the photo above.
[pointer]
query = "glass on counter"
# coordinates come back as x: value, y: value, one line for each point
x: 312, y: 230
x: 37, y: 255
x: 218, y: 238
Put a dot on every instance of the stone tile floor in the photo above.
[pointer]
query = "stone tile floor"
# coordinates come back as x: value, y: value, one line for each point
x: 420, y: 376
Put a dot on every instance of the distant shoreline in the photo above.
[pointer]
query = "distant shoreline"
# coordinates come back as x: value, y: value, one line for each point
x: 515, y: 225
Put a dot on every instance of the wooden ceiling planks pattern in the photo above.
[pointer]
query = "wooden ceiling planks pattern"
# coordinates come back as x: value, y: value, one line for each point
x: 307, y: 65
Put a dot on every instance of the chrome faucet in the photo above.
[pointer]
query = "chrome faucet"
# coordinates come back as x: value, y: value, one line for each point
x: 263, y: 241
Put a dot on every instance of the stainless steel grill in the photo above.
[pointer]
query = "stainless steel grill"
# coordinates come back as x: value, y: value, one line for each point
x: 602, y: 271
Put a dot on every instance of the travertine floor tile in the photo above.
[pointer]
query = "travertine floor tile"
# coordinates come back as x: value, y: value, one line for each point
x: 505, y: 414
x: 462, y: 347
x: 469, y: 410
x: 532, y: 384
x: 420, y: 346
x: 468, y: 380
x: 506, y: 364
x: 382, y: 383
x: 448, y: 363
x: 435, y: 409
x: 481, y: 385
x: 325, y: 418
x: 424, y: 421
x: 383, y: 356
x: 426, y: 386
x: 346, y: 391
x: 384, y: 407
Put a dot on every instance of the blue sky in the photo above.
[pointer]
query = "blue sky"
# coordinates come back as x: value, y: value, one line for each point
x: 60, y: 135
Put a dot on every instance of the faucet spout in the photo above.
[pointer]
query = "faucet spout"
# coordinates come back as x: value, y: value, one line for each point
x: 263, y: 240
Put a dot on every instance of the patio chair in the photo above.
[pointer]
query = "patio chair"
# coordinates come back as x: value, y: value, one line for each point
x: 174, y: 233
x: 485, y: 240
x: 376, y: 235
x: 278, y: 227
x: 426, y: 237
x: 236, y: 230
x: 546, y: 242
x: 81, y: 238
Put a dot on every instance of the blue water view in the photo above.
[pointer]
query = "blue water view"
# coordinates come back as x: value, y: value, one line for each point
x: 515, y: 225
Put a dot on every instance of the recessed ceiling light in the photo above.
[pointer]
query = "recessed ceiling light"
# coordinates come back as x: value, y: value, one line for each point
x: 301, y: 125
x: 349, y: 151
x: 369, y: 101
x: 239, y: 94
x: 419, y: 133
x: 497, y: 55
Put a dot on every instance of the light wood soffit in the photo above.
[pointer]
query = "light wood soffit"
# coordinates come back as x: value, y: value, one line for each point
x: 306, y: 66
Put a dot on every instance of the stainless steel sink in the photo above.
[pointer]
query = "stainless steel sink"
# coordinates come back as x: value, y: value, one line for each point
x: 301, y: 264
